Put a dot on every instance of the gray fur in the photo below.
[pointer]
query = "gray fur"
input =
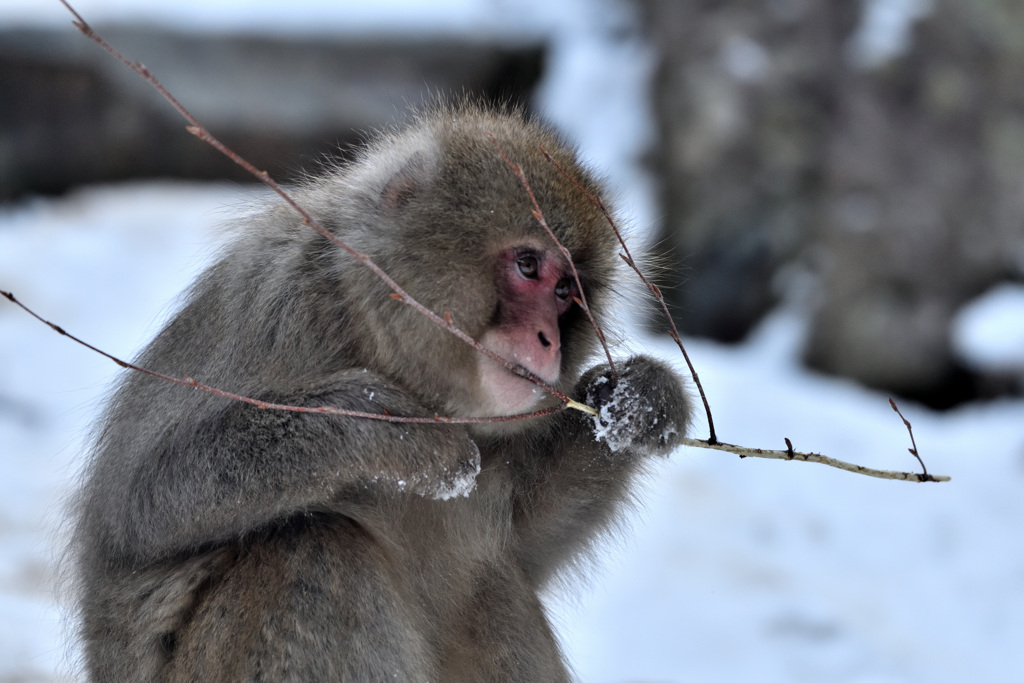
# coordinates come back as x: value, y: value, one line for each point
x: 217, y: 541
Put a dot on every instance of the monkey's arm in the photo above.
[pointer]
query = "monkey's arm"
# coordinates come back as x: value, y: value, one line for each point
x: 243, y: 468
x: 571, y: 491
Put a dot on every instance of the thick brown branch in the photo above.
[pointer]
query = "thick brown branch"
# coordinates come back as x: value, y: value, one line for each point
x: 790, y: 454
x: 197, y: 129
x: 654, y: 289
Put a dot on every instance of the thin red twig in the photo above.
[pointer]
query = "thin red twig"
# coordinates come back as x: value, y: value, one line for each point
x: 189, y: 382
x: 654, y: 289
x: 910, y: 430
x: 197, y: 129
x: 539, y: 215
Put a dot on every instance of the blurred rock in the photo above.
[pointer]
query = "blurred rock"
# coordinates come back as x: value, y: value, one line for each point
x: 742, y: 96
x: 988, y: 335
x: 889, y: 157
x: 922, y: 205
x: 70, y: 114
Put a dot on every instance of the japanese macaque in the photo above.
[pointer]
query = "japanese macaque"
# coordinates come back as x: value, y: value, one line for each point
x: 218, y: 541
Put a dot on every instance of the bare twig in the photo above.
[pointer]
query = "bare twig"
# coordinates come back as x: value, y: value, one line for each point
x: 581, y: 301
x: 654, y: 289
x: 189, y: 382
x: 910, y: 430
x: 790, y: 454
x: 197, y: 129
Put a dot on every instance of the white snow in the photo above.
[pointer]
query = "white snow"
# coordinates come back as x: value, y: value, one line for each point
x: 734, y: 570
x: 106, y: 264
x: 776, y: 571
x: 459, y: 486
x: 989, y: 331
x: 616, y: 420
x: 884, y: 30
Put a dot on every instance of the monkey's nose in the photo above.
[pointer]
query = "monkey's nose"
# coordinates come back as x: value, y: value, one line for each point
x: 549, y: 356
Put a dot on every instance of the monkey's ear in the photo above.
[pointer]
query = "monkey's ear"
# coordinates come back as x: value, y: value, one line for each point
x: 414, y: 179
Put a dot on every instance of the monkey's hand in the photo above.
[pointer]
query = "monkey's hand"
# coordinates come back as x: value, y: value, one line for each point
x: 242, y: 467
x: 433, y: 460
x: 646, y: 408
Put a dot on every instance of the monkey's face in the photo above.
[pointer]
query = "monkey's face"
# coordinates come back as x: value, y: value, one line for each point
x: 441, y: 211
x: 535, y: 293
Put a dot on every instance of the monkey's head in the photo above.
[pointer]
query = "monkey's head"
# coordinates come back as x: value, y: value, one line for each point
x: 441, y: 211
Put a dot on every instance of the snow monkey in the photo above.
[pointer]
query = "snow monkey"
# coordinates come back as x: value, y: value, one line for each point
x: 218, y: 541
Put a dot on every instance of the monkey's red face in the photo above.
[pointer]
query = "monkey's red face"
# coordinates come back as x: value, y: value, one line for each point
x: 535, y: 290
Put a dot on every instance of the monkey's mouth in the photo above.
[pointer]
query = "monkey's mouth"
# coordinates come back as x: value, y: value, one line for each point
x: 505, y: 393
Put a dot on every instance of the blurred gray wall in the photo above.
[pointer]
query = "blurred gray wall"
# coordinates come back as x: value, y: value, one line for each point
x: 71, y: 114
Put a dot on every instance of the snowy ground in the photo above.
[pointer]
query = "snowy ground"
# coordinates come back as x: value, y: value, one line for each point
x: 733, y: 569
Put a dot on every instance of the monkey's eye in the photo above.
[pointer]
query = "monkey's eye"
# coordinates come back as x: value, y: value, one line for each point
x: 528, y: 266
x: 562, y: 288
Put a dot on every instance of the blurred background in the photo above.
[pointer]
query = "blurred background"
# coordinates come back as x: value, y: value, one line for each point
x: 835, y: 194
